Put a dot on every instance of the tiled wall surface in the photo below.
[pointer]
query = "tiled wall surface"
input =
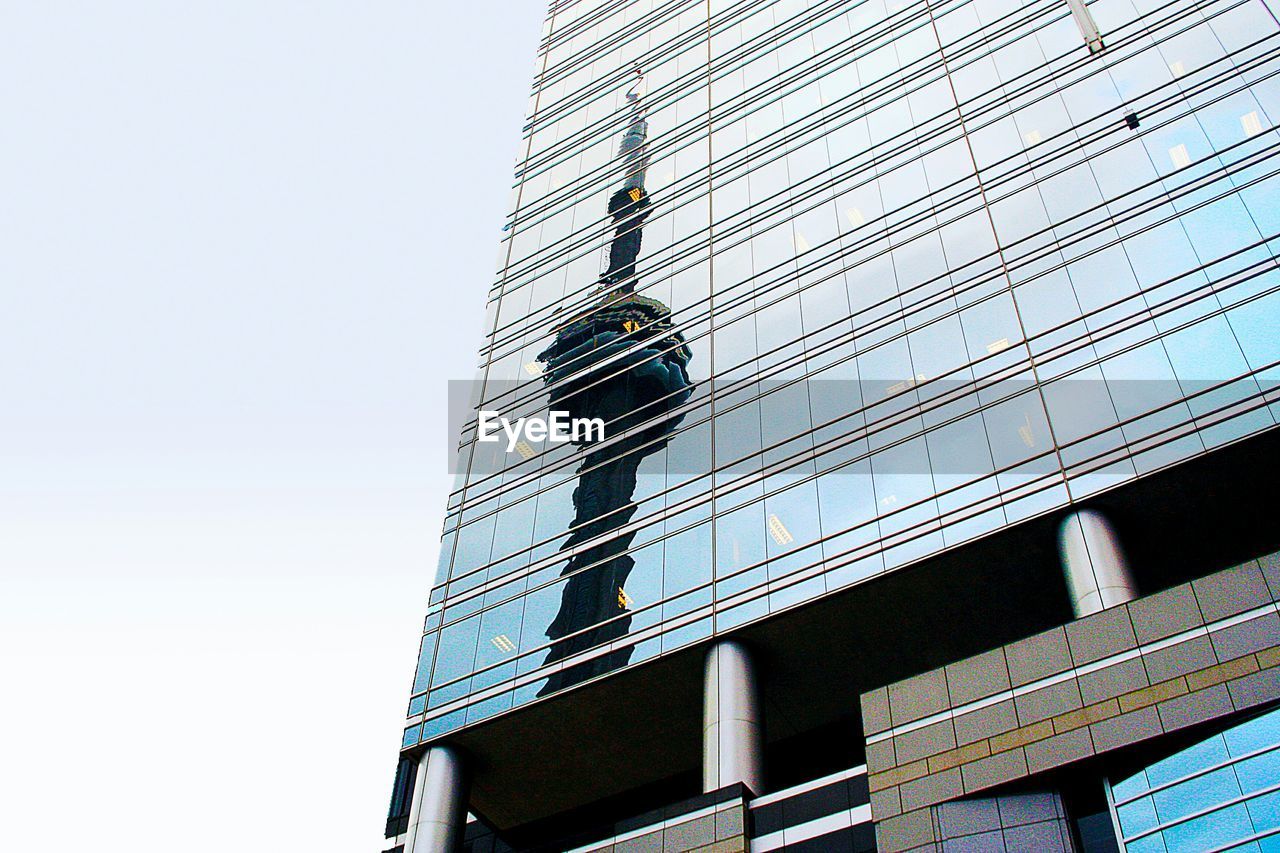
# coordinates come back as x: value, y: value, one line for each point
x: 1033, y: 821
x: 1191, y: 653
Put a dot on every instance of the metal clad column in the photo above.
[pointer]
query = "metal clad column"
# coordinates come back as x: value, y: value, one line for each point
x: 1097, y: 574
x: 731, y: 722
x: 439, y: 809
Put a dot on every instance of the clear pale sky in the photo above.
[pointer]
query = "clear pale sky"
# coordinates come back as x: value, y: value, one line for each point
x: 243, y: 246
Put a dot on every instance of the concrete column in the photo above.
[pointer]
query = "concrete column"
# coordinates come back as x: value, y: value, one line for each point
x: 1097, y: 574
x: 732, y: 725
x: 438, y: 812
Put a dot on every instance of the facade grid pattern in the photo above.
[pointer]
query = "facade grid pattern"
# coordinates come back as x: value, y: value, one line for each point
x: 931, y: 268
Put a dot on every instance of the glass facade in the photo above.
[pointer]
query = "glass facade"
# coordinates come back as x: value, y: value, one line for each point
x: 850, y: 282
x: 1220, y: 794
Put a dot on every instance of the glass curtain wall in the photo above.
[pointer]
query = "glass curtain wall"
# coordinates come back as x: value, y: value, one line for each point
x: 909, y: 272
x: 1223, y: 793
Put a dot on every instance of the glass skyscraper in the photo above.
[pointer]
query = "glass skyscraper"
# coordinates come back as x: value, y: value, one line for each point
x: 919, y: 332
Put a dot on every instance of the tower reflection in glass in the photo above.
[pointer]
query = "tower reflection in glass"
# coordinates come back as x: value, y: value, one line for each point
x: 620, y: 361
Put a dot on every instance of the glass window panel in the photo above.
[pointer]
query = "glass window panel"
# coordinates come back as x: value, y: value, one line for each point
x: 488, y: 707
x: 442, y: 725
x: 1121, y: 169
x: 1262, y: 200
x: 738, y: 429
x: 740, y: 539
x: 499, y: 641
x: 686, y: 560
x: 784, y: 414
x: 1211, y: 830
x: 426, y: 653
x: 1138, y: 816
x: 1261, y: 771
x: 792, y: 518
x: 1264, y: 812
x: 1131, y: 786
x: 475, y: 544
x: 1148, y: 844
x: 1220, y: 228
x: 457, y: 655
x: 1204, y: 754
x: 1258, y: 733
x: 1194, y: 795
x: 1022, y: 217
x: 540, y: 609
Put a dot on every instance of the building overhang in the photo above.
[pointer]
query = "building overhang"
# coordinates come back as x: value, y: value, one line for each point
x: 636, y: 728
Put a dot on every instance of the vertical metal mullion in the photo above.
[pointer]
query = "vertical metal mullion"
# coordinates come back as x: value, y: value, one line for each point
x: 1115, y: 817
